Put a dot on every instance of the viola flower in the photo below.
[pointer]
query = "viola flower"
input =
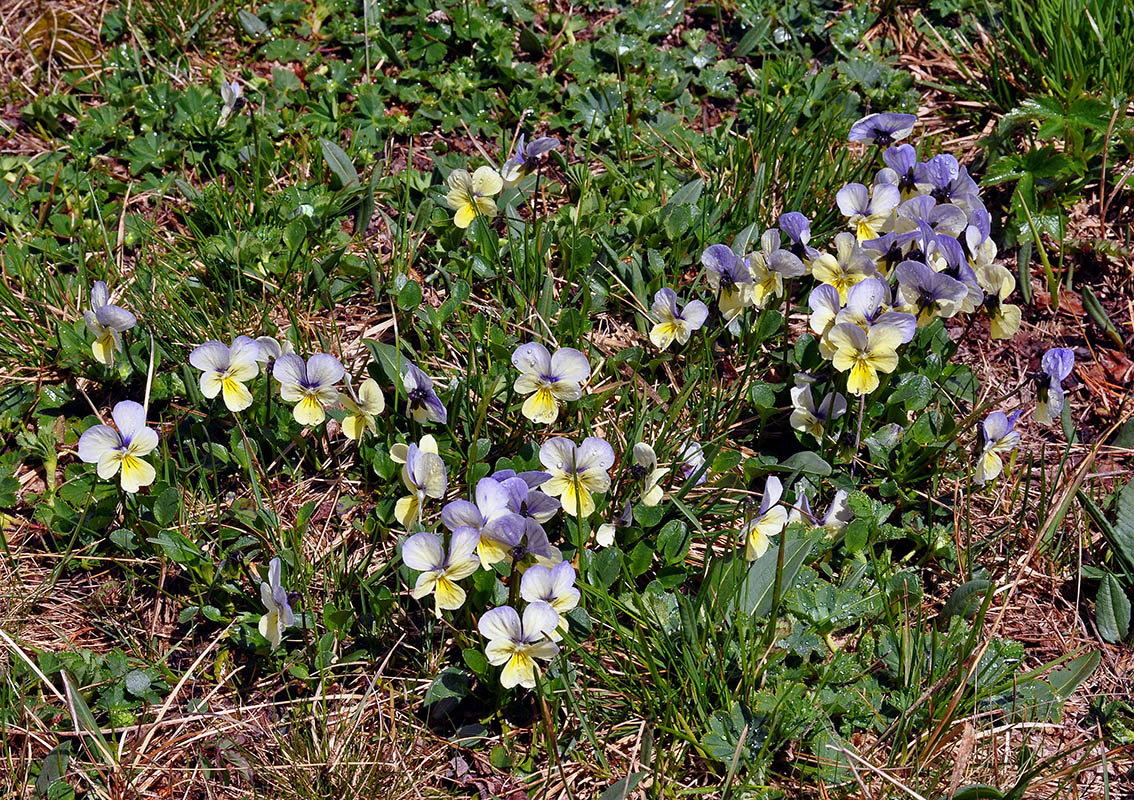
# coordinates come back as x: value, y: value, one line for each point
x: 646, y: 471
x: 769, y: 266
x: 865, y: 353
x: 520, y: 164
x: 517, y: 644
x: 470, y: 195
x: 423, y: 404
x: 946, y: 181
x: 549, y: 379
x: 928, y: 294
x: 769, y: 521
x: 271, y: 349
x: 901, y: 168
x: 554, y: 586
x: 425, y: 475
x: 957, y: 267
x: 106, y: 322
x: 673, y: 323
x: 798, y: 230
x: 849, y: 266
x: 868, y: 211
x: 310, y: 386
x: 1004, y: 318
x: 498, y: 528
x: 425, y: 553
x: 280, y: 616
x: 604, y: 535
x: 1057, y: 364
x: 226, y: 369
x: 825, y: 307
x: 882, y: 129
x: 729, y: 276
x: 806, y: 417
x: 940, y: 217
x: 1000, y: 436
x: 838, y: 514
x: 364, y: 406
x: 122, y: 449
x: 232, y: 100
x: 868, y: 304
x: 532, y: 506
x: 576, y: 472
x: 888, y: 250
x: 692, y: 458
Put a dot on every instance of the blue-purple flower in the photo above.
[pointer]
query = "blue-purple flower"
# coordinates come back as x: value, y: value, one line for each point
x: 868, y: 304
x: 882, y: 129
x: 122, y: 449
x: 524, y: 156
x: 928, y: 294
x: 900, y: 169
x: 311, y: 385
x: 532, y: 506
x: 1057, y: 365
x: 1000, y: 436
x: 798, y: 230
x: 730, y: 277
x: 674, y: 323
x: 422, y: 402
x: 106, y: 322
x: 498, y: 527
x: 868, y: 212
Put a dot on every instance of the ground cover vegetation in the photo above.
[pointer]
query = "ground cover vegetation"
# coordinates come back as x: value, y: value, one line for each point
x: 504, y: 399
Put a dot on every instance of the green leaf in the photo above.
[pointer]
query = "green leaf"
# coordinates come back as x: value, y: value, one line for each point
x: 475, y: 660
x: 673, y: 541
x: 451, y: 682
x: 84, y: 720
x: 410, y: 296
x: 688, y: 194
x: 640, y: 559
x: 807, y: 462
x: 177, y: 547
x: 756, y: 594
x: 166, y: 506
x: 1065, y: 681
x: 978, y: 791
x: 339, y: 163
x: 53, y: 767
x: 253, y: 25
x: 912, y: 389
x: 620, y: 790
x: 137, y: 682
x: 1112, y: 610
x: 966, y: 599
x: 1124, y: 523
x: 604, y: 567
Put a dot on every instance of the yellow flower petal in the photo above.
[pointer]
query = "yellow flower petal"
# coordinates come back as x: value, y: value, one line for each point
x: 136, y: 473
x: 309, y: 411
x: 541, y: 407
x: 236, y: 395
x: 519, y: 671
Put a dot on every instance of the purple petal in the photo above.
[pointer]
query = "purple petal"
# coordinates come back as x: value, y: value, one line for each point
x: 289, y: 368
x: 324, y: 370
x: 532, y: 359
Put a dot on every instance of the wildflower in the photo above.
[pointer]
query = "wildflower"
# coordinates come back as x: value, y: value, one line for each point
x: 838, y: 514
x: 850, y: 266
x: 517, y: 644
x: 122, y: 449
x: 882, y: 129
x: 423, y: 404
x: 471, y: 195
x: 498, y: 528
x: 271, y: 349
x: 692, y: 458
x: 364, y: 406
x: 232, y: 100
x: 769, y: 521
x: 864, y: 353
x: 1004, y: 318
x: 226, y: 369
x: 577, y: 472
x: 868, y: 211
x: 887, y: 250
x: 729, y: 276
x: 798, y: 229
x: 1000, y: 436
x: 940, y: 217
x: 946, y: 181
x: 957, y: 267
x: 1057, y: 364
x: 928, y: 294
x: 901, y: 168
x: 424, y: 474
x: 554, y: 586
x: 519, y: 165
x: 280, y: 616
x: 425, y: 553
x: 673, y: 323
x: 806, y: 417
x: 868, y: 304
x: 106, y: 322
x: 645, y: 470
x: 310, y: 386
x: 549, y: 379
x: 532, y: 506
x: 825, y: 307
x: 769, y: 266
x: 604, y: 535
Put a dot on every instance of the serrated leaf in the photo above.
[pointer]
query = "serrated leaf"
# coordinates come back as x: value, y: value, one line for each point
x: 1112, y: 610
x: 339, y: 163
